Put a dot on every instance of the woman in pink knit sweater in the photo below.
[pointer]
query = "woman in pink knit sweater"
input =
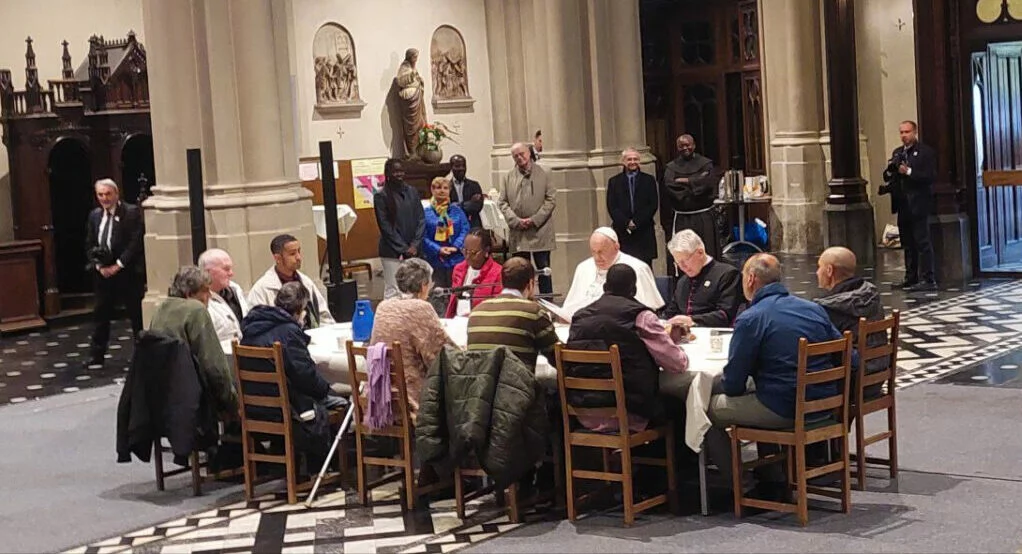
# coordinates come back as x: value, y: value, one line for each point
x: 411, y: 319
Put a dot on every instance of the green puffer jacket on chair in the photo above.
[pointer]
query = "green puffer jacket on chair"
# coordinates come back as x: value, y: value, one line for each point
x: 486, y: 403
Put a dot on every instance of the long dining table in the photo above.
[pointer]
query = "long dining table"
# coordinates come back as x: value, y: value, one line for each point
x: 693, y: 387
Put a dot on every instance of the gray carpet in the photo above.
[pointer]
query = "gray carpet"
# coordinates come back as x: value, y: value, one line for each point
x: 61, y: 485
x: 960, y: 490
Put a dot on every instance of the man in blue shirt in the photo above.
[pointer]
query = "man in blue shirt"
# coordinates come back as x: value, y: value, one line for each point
x: 765, y: 348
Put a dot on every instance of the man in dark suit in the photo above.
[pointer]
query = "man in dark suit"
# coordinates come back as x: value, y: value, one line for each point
x: 909, y: 180
x: 466, y: 192
x: 632, y: 203
x: 114, y: 250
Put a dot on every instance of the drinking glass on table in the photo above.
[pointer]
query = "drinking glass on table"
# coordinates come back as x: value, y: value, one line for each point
x: 716, y: 341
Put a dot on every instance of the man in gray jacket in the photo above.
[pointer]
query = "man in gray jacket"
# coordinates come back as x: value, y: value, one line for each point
x: 527, y: 200
x: 849, y: 297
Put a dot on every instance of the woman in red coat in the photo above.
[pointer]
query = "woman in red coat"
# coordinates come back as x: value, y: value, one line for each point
x: 479, y: 268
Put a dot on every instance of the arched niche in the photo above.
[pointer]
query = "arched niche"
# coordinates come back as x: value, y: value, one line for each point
x: 449, y: 69
x: 336, y: 71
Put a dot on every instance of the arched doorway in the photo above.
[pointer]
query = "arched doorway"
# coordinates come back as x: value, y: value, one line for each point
x: 71, y: 200
x: 136, y: 161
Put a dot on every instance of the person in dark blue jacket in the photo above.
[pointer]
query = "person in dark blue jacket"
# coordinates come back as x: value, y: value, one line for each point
x: 308, y: 391
x: 764, y: 347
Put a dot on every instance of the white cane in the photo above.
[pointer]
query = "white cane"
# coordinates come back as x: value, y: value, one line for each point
x: 337, y: 440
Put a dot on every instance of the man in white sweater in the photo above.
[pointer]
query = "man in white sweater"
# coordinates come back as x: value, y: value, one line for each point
x: 287, y: 258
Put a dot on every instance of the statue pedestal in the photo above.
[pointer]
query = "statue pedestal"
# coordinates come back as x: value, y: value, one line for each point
x: 420, y: 175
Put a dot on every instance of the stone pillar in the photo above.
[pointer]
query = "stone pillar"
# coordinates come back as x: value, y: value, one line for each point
x: 848, y: 216
x: 940, y: 114
x: 582, y: 88
x: 793, y: 63
x: 229, y: 94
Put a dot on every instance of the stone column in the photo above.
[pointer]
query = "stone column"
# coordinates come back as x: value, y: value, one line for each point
x: 792, y: 65
x: 229, y: 94
x: 940, y: 114
x: 848, y: 216
x: 580, y: 82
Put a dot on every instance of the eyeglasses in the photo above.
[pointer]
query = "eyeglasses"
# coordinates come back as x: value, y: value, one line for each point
x: 469, y: 253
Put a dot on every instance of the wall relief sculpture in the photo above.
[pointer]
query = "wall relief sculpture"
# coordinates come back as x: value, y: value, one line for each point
x: 333, y: 53
x: 449, y: 62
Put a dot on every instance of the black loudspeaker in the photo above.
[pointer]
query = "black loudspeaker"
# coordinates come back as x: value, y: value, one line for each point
x: 341, y: 294
x: 196, y: 203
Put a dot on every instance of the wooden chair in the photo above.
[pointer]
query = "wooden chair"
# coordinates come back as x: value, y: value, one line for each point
x: 196, y: 463
x: 624, y: 440
x: 253, y: 430
x: 401, y: 429
x: 863, y: 405
x: 795, y: 440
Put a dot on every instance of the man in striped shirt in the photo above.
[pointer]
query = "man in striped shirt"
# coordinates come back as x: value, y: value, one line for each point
x: 512, y: 318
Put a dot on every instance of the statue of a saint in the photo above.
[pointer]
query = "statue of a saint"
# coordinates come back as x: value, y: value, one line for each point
x: 412, y: 100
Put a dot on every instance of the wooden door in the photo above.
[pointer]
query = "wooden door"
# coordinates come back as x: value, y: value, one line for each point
x: 997, y: 93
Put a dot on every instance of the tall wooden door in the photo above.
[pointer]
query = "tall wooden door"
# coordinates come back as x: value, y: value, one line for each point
x: 997, y: 122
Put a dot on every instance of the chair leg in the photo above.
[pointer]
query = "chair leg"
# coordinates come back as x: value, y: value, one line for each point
x: 250, y: 466
x: 360, y: 468
x: 892, y: 425
x: 569, y: 482
x: 459, y: 494
x: 193, y: 460
x: 672, y: 483
x: 736, y: 472
x: 801, y: 501
x: 158, y: 464
x: 627, y: 484
x: 846, y: 474
x: 512, y: 504
x: 290, y: 470
x: 411, y: 493
x: 860, y: 453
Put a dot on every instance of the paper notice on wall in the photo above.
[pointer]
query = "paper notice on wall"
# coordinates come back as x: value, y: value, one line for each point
x: 367, y: 179
x: 308, y: 171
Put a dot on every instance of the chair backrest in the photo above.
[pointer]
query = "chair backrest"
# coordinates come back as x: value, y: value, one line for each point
x: 887, y: 351
x: 615, y: 384
x: 836, y: 403
x: 360, y: 375
x: 250, y: 364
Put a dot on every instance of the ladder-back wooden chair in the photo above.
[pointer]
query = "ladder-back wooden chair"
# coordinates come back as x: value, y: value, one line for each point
x: 863, y: 404
x: 400, y: 428
x: 250, y: 367
x: 623, y: 440
x: 835, y: 426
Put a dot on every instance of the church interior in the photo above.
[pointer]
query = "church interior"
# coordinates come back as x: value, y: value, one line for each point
x: 224, y: 124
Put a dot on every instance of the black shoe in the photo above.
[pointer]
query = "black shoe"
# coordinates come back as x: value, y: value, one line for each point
x: 923, y: 286
x: 770, y: 491
x: 906, y: 283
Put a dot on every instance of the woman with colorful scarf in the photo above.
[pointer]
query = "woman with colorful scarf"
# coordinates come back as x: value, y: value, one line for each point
x: 446, y: 227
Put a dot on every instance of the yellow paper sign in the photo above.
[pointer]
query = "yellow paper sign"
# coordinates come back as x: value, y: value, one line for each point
x: 367, y: 178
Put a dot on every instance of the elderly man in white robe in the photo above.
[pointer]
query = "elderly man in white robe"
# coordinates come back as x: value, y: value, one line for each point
x: 591, y: 274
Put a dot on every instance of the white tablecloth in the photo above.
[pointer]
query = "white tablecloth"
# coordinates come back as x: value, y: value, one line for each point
x: 490, y: 217
x: 346, y: 218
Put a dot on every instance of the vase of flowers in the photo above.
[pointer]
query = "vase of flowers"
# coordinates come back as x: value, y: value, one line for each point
x: 430, y: 137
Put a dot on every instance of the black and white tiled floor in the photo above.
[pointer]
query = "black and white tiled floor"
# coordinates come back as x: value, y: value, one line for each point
x: 968, y: 335
x: 41, y: 364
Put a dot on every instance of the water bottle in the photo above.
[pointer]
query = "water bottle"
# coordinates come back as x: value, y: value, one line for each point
x: 362, y: 321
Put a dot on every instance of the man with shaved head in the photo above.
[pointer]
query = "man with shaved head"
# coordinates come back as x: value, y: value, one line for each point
x: 527, y: 200
x: 687, y: 194
x: 848, y: 298
x: 227, y: 305
x: 765, y: 348
x: 587, y: 286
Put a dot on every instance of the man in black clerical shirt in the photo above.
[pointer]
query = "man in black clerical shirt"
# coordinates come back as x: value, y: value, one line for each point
x: 466, y: 192
x: 709, y: 292
x: 114, y: 249
x: 632, y: 203
x: 909, y: 178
